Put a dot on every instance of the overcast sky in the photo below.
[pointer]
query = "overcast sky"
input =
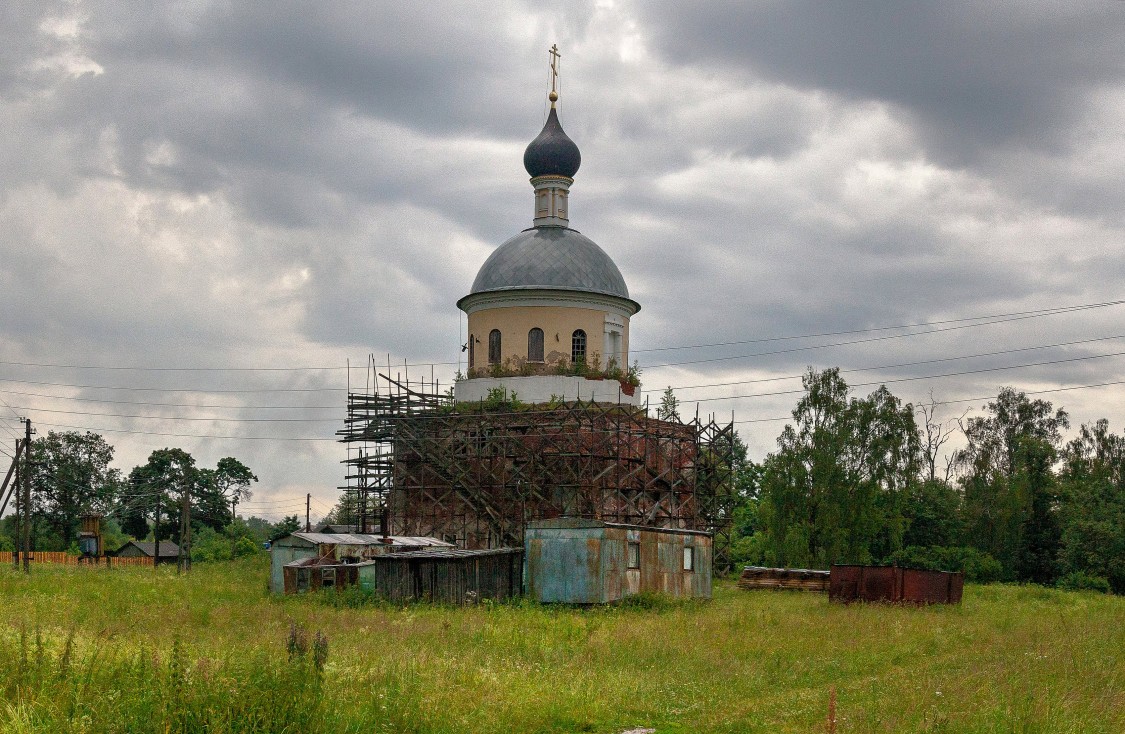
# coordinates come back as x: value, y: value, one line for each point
x: 238, y: 186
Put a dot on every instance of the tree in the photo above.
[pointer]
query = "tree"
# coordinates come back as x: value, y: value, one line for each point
x: 1092, y: 484
x: 72, y: 476
x: 669, y: 409
x: 1007, y: 482
x: 289, y: 524
x: 164, y: 479
x: 227, y: 483
x: 835, y: 489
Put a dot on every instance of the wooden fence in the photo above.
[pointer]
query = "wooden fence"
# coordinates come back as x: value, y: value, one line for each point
x: 62, y: 558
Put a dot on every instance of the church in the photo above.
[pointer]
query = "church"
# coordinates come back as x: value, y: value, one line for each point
x: 547, y: 423
x: 549, y: 302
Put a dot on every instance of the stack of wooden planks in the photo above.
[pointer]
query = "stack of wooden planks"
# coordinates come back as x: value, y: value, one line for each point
x: 802, y: 579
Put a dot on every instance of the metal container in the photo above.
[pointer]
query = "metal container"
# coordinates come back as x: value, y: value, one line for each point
x: 848, y: 583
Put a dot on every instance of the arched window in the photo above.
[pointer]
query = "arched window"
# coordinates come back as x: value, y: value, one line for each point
x: 472, y: 350
x: 494, y: 346
x: 535, y: 345
x: 578, y: 346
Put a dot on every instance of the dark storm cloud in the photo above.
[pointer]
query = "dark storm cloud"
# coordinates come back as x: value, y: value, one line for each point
x: 975, y: 76
x: 231, y: 184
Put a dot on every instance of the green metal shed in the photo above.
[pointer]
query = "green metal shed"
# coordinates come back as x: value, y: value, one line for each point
x: 582, y: 561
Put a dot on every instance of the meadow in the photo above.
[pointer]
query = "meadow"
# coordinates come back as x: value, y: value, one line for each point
x: 133, y: 650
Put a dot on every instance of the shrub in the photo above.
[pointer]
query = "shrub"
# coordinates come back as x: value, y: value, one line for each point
x: 978, y: 567
x: 1080, y: 581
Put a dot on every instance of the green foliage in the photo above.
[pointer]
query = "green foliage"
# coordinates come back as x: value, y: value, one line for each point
x: 836, y: 489
x: 979, y: 567
x: 669, y: 408
x: 72, y: 476
x: 1008, y: 484
x: 1081, y: 581
x: 1092, y: 493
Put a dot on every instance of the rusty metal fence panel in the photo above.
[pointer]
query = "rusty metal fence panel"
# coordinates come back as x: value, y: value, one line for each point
x: 849, y: 583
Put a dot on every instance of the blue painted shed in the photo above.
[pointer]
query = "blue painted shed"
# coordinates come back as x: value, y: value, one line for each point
x: 581, y: 561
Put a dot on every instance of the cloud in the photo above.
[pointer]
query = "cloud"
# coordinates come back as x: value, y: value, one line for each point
x: 224, y: 185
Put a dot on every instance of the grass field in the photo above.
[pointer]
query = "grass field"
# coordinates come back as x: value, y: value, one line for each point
x: 130, y: 650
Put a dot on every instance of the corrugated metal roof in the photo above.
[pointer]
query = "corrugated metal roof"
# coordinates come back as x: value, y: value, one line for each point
x: 371, y: 539
x: 453, y: 553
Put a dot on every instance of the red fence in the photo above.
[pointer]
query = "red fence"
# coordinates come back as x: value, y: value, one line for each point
x: 893, y: 584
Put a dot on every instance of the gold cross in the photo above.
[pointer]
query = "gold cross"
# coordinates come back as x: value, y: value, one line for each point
x: 555, y: 56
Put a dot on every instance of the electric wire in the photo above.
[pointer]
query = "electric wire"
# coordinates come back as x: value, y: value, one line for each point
x: 891, y: 366
x: 836, y: 344
x: 1036, y: 312
x: 919, y: 377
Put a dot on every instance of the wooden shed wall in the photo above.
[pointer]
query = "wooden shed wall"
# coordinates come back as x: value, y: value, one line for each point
x: 445, y: 579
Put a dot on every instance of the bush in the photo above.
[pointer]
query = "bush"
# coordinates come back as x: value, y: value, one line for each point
x: 978, y: 567
x: 245, y: 547
x: 1079, y: 581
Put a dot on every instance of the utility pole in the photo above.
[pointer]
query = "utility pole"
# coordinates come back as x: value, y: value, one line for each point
x: 27, y: 495
x: 184, y: 562
x: 155, y: 528
x: 308, y: 501
x: 18, y: 491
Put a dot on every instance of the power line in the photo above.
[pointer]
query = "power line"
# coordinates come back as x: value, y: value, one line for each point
x: 184, y: 435
x: 170, y: 405
x: 921, y: 377
x: 1036, y: 312
x: 177, y: 389
x: 185, y: 418
x: 894, y: 366
x: 960, y: 400
x: 845, y: 343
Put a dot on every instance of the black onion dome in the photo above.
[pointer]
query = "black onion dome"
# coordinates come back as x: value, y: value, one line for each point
x: 552, y: 153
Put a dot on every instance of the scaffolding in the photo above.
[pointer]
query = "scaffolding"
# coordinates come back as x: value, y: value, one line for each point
x: 475, y: 474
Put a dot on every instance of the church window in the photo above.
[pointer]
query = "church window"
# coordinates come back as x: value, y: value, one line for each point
x: 578, y: 346
x: 494, y: 346
x: 472, y: 350
x: 535, y: 345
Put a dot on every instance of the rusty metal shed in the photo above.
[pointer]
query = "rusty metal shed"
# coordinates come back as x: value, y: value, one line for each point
x: 445, y: 576
x: 582, y: 561
x: 339, y: 547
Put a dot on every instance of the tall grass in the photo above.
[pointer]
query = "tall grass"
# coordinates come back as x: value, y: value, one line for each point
x: 133, y: 650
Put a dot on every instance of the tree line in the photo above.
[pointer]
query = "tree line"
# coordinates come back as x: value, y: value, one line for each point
x: 865, y: 480
x: 72, y: 475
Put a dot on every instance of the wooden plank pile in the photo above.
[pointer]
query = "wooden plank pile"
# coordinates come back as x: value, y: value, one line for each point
x: 801, y: 579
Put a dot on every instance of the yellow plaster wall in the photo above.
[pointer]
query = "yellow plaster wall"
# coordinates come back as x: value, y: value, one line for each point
x: 515, y: 322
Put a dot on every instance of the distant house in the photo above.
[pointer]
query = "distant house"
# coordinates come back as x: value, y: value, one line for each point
x: 329, y: 549
x: 169, y: 551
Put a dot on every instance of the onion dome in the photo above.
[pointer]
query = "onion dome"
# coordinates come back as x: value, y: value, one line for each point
x: 552, y: 153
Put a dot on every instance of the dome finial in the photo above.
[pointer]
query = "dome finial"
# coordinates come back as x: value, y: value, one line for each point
x: 555, y: 59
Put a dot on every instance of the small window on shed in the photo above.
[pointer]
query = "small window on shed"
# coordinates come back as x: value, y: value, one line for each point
x: 689, y: 558
x: 494, y: 346
x: 578, y: 346
x: 327, y: 577
x: 634, y: 555
x: 535, y: 345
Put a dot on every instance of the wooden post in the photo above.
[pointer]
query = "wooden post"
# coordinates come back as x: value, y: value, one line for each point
x: 184, y: 561
x: 308, y: 501
x: 27, y: 496
x: 17, y: 489
x: 156, y: 529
